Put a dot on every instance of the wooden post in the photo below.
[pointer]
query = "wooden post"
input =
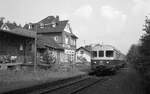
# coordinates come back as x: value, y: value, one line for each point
x: 35, y: 50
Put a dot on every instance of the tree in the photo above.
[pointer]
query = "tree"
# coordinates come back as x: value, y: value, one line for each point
x: 144, y: 48
x: 133, y: 55
x: 139, y: 55
x: 14, y: 23
x: 49, y: 58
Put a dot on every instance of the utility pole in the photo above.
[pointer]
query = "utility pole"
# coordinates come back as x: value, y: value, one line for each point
x: 35, y: 49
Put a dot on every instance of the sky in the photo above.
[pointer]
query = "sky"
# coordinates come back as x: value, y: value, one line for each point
x: 115, y: 22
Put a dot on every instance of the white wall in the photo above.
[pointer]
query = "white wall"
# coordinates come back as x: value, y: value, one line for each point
x: 86, y: 55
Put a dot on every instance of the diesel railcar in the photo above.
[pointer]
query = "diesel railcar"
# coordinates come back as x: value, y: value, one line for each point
x: 106, y: 57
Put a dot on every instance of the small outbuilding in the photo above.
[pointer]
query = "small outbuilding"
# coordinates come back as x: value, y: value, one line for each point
x: 16, y: 47
x: 83, y: 55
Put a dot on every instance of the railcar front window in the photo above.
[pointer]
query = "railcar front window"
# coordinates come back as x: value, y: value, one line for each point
x: 109, y: 53
x: 94, y: 53
x: 101, y: 53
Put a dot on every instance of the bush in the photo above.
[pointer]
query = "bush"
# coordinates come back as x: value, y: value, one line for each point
x: 49, y: 58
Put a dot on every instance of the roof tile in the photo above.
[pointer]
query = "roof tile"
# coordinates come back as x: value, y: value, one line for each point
x: 43, y: 41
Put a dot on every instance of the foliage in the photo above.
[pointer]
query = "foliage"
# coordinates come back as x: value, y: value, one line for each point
x: 4, y: 59
x: 133, y: 55
x: 82, y: 59
x: 49, y: 58
x: 144, y: 48
x: 139, y: 55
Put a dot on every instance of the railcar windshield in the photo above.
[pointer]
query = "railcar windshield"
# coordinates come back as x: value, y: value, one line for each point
x: 94, y: 53
x: 101, y: 53
x: 109, y: 53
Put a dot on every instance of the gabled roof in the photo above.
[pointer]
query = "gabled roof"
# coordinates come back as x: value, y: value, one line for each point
x: 1, y: 23
x: 71, y: 34
x: 88, y: 47
x: 5, y: 27
x: 44, y: 41
x: 46, y: 26
x: 9, y: 26
x: 47, y: 20
x: 60, y: 25
x: 83, y: 48
x: 24, y: 32
x: 21, y: 32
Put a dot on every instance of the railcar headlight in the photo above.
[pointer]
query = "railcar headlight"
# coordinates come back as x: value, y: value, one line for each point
x: 107, y: 62
x: 95, y: 62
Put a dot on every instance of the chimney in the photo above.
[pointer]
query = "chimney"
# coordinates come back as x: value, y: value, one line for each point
x: 2, y: 19
x: 30, y: 26
x: 57, y: 17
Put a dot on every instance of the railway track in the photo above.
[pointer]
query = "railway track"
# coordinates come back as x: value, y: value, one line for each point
x: 72, y: 87
x: 44, y: 86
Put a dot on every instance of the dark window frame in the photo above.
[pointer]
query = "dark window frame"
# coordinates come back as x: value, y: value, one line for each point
x: 94, y: 54
x: 101, y: 53
x: 81, y: 52
x: 109, y: 53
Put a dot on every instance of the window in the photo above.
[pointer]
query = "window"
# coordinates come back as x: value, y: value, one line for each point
x: 101, y: 53
x: 81, y: 52
x: 109, y: 53
x: 67, y: 40
x: 94, y: 53
x: 56, y: 38
x: 67, y: 28
x: 41, y: 25
x: 73, y: 42
x: 54, y: 25
x: 30, y: 26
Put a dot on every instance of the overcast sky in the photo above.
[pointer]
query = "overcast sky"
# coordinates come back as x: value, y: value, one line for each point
x: 115, y: 22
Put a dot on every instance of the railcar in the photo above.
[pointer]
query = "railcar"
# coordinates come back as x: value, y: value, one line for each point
x: 106, y: 58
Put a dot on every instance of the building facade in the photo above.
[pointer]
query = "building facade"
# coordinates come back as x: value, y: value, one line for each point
x: 83, y: 55
x: 16, y: 45
x: 60, y: 32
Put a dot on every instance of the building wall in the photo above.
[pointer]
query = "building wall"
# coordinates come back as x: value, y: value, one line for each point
x: 14, y: 45
x: 56, y: 54
x: 69, y: 53
x: 68, y: 40
x: 85, y: 54
x: 69, y: 47
x: 54, y: 35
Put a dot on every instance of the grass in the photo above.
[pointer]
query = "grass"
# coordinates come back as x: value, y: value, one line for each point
x: 11, y: 79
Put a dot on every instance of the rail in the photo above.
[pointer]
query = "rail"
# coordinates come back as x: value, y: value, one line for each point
x: 73, y: 87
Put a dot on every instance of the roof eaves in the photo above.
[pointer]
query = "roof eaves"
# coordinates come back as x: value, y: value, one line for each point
x: 82, y: 48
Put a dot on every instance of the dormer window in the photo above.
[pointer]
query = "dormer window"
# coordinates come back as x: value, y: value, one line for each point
x: 30, y: 26
x: 54, y: 25
x: 67, y: 40
x: 41, y: 25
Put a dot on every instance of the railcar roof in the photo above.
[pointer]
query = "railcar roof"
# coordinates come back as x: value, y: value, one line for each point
x: 106, y: 46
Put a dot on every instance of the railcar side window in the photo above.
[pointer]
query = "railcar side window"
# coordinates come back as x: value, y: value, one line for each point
x: 109, y: 53
x: 94, y: 53
x: 101, y: 53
